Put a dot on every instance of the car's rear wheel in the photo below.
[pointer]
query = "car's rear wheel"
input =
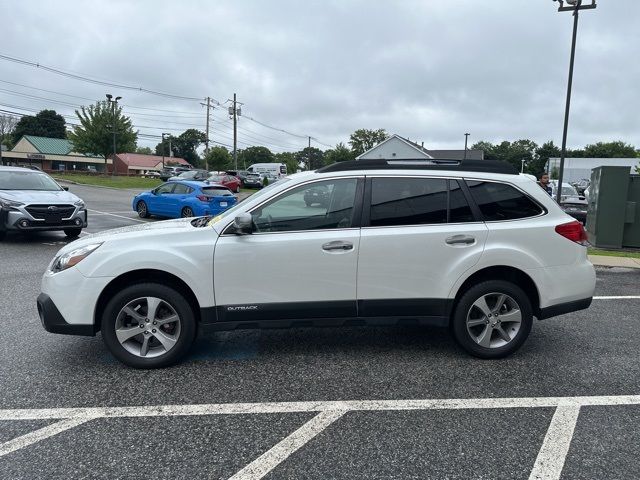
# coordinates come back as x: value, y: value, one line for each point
x: 186, y: 212
x: 141, y: 208
x: 148, y: 325
x: 492, y: 319
x: 72, y: 232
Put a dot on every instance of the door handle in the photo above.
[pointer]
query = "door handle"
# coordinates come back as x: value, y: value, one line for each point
x: 460, y: 240
x: 337, y: 245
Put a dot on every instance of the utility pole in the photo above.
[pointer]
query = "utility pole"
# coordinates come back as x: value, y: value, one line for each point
x: 235, y: 133
x: 309, y: 155
x: 163, y: 147
x: 466, y: 138
x: 206, y: 148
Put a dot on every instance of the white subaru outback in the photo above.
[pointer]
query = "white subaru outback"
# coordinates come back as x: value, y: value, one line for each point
x: 475, y: 247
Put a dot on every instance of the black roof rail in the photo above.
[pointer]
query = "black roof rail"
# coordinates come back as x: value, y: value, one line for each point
x: 486, y: 166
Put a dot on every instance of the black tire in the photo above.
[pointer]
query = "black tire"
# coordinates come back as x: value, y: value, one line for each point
x: 308, y: 203
x: 182, y: 307
x: 72, y: 232
x: 238, y: 189
x: 462, y: 310
x: 3, y: 234
x: 141, y: 208
x: 187, y: 212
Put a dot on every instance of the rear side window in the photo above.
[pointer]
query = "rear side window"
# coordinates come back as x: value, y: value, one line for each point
x: 182, y: 189
x: 498, y: 201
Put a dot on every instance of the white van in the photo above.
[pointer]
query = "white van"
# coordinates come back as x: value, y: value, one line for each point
x: 274, y: 169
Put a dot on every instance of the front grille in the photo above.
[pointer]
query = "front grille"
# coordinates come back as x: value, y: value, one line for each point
x: 43, y: 212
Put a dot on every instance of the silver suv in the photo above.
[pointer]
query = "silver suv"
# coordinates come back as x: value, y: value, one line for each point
x: 32, y: 200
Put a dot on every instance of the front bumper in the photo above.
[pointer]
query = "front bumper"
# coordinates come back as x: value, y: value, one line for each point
x: 18, y: 219
x: 53, y: 321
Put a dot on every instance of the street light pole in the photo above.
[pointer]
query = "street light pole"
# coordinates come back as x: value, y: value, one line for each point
x: 114, y: 104
x: 466, y: 138
x: 575, y: 7
x: 163, y: 148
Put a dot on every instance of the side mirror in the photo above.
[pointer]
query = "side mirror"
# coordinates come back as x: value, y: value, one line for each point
x: 154, y: 191
x: 243, y: 224
x: 66, y: 189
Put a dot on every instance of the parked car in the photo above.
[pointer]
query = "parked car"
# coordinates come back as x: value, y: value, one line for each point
x: 193, y: 174
x: 241, y: 174
x: 168, y: 172
x: 475, y: 247
x: 571, y: 202
x: 229, y: 181
x: 319, y: 195
x: 184, y: 199
x: 30, y: 200
x: 253, y: 180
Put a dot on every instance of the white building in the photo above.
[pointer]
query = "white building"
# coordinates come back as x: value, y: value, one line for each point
x: 576, y: 169
x: 397, y: 148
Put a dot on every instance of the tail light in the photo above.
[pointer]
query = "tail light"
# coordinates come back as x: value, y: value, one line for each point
x: 203, y: 198
x: 573, y: 231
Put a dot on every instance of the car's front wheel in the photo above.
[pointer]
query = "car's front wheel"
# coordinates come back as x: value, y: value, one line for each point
x: 141, y: 208
x: 492, y: 319
x: 148, y: 325
x: 72, y: 232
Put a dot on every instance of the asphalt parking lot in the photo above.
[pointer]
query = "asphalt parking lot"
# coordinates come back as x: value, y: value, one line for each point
x: 377, y: 403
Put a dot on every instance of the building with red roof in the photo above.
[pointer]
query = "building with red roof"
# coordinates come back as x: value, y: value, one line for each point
x: 138, y: 163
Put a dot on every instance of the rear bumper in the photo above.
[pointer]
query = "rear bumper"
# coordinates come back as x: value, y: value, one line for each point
x: 53, y: 321
x: 562, y: 308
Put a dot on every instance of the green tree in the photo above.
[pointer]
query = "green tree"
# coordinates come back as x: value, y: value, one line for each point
x: 290, y: 160
x: 46, y: 123
x: 185, y: 145
x: 339, y: 154
x: 219, y: 158
x: 511, y: 152
x: 251, y: 155
x: 144, y: 150
x: 543, y: 153
x: 95, y: 133
x: 311, y: 157
x: 616, y: 149
x: 363, y: 139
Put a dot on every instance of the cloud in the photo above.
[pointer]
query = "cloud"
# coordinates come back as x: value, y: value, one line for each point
x: 426, y: 70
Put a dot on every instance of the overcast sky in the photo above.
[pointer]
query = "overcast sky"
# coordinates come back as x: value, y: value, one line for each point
x: 429, y: 70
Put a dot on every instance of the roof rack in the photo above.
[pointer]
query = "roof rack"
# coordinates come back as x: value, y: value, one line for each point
x: 486, y: 166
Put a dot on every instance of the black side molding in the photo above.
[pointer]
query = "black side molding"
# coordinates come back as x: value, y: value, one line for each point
x: 562, y: 308
x: 53, y: 321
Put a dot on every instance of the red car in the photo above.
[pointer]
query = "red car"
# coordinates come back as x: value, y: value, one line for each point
x: 229, y: 181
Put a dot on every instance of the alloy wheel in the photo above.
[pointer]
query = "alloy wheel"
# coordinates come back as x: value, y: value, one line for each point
x: 494, y: 320
x: 148, y: 327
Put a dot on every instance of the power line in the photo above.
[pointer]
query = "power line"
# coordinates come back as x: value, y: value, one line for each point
x: 85, y: 78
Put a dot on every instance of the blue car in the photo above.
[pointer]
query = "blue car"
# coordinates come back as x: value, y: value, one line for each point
x: 184, y: 199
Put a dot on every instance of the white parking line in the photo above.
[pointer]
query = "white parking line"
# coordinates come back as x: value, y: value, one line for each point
x: 269, y: 460
x: 618, y: 297
x: 40, y: 434
x: 115, y: 215
x: 555, y: 446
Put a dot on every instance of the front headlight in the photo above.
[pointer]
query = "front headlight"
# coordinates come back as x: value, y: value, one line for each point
x: 79, y: 203
x: 68, y: 260
x: 9, y: 203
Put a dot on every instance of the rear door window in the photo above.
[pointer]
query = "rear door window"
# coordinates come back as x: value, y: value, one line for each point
x: 408, y: 201
x: 499, y: 201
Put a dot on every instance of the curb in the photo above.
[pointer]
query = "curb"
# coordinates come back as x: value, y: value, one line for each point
x: 606, y: 261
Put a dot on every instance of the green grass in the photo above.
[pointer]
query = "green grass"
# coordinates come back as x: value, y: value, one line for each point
x: 109, y: 181
x: 613, y: 253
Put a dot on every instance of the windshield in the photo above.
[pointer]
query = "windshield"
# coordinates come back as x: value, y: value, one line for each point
x: 28, y: 181
x: 258, y: 194
x: 216, y: 191
x: 187, y: 174
x: 569, y: 191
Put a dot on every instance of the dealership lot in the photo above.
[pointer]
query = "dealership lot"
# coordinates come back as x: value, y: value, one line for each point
x: 396, y: 402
